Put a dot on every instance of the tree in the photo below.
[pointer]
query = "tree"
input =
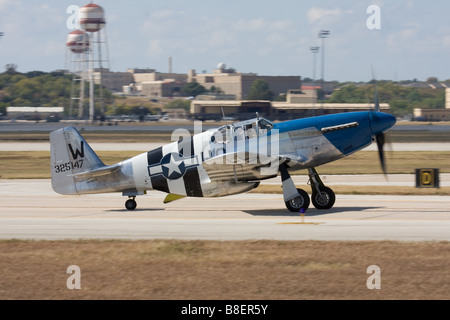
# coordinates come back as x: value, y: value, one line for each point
x: 260, y: 91
x: 193, y: 89
x: 216, y: 90
x: 402, y: 99
x: 38, y: 88
x: 11, y: 68
x: 281, y: 98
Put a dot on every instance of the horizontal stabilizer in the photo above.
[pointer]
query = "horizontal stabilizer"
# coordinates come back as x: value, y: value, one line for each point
x: 97, y: 172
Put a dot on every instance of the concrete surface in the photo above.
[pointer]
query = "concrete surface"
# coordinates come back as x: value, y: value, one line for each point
x: 31, y: 210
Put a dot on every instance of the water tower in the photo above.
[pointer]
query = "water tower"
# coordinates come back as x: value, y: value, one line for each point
x: 92, y: 21
x: 78, y: 49
x: 92, y: 18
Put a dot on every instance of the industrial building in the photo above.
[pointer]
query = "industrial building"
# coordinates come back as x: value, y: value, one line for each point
x: 155, y: 84
x: 238, y: 84
x: 113, y: 81
x: 435, y: 114
x: 301, y: 100
x: 237, y: 109
x: 34, y: 113
x: 299, y: 104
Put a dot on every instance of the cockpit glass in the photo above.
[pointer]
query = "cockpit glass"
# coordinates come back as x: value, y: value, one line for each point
x: 243, y: 130
x: 265, y: 125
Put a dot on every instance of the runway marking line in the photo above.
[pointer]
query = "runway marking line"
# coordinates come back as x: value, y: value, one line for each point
x: 309, y: 223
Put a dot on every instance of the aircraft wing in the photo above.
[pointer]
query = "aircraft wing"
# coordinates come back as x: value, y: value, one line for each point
x: 242, y: 166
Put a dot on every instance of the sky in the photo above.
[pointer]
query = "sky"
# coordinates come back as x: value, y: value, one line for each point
x: 411, y: 39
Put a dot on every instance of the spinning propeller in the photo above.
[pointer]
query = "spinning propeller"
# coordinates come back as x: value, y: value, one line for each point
x: 380, y: 122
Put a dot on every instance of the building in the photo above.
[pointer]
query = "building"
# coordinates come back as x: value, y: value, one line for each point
x: 235, y: 83
x: 328, y: 86
x: 154, y: 84
x: 287, y: 111
x: 162, y: 88
x: 245, y: 109
x: 34, y: 113
x: 303, y: 95
x: 149, y: 75
x: 157, y: 84
x: 113, y: 81
x: 237, y: 109
x: 431, y: 114
x: 434, y: 114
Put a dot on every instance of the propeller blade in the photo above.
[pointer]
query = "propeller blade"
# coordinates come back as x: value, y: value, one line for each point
x: 380, y: 139
x: 377, y: 102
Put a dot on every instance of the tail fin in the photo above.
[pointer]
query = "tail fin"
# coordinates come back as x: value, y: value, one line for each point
x: 70, y: 154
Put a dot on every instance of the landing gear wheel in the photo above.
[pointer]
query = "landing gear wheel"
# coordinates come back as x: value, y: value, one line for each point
x: 323, y: 200
x: 301, y: 202
x: 130, y: 204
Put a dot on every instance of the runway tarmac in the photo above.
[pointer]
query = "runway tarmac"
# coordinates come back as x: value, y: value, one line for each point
x: 31, y: 210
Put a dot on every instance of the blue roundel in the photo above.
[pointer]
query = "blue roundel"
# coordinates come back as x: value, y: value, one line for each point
x: 173, y: 166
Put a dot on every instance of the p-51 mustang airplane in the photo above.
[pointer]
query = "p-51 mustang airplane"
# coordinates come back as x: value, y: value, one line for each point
x: 218, y: 162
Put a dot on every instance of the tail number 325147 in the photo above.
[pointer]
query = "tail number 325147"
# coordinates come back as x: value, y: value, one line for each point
x: 64, y: 167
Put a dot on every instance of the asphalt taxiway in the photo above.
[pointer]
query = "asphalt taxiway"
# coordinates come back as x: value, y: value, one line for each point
x: 31, y: 210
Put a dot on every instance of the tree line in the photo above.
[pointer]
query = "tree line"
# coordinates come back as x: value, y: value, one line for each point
x: 35, y: 88
x: 402, y: 99
x: 53, y: 89
x: 38, y: 89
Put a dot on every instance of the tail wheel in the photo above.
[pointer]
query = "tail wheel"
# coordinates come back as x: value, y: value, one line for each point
x: 130, y: 204
x: 300, y: 202
x: 323, y: 200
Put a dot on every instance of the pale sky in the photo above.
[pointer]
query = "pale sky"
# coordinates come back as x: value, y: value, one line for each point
x: 265, y: 37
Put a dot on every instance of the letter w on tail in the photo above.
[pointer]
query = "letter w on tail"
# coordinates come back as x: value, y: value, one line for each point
x: 77, y: 152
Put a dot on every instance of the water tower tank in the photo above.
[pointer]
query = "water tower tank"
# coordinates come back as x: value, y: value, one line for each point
x: 78, y: 41
x: 92, y: 17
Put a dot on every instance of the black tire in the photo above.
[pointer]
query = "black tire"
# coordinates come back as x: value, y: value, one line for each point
x: 130, y: 204
x: 301, y: 202
x: 323, y: 200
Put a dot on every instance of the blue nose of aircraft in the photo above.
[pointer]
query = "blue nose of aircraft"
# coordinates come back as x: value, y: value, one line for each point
x: 381, y: 122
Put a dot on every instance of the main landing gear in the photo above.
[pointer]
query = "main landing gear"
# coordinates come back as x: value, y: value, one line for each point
x: 322, y: 197
x: 297, y: 199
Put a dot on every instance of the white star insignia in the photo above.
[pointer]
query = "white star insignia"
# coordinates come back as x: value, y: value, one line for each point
x: 173, y: 166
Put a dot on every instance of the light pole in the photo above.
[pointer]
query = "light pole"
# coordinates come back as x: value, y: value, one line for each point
x: 323, y: 34
x: 314, y: 51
